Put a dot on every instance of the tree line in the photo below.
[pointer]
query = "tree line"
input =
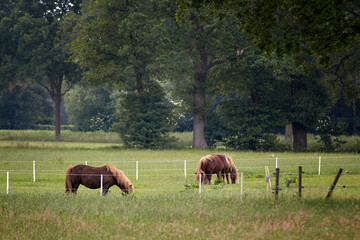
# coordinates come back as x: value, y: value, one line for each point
x: 218, y: 68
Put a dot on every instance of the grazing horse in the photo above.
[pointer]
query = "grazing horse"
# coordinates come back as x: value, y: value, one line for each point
x: 216, y: 164
x: 232, y: 169
x: 91, y: 177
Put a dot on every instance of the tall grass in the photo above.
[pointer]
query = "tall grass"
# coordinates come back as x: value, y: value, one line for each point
x: 162, y: 208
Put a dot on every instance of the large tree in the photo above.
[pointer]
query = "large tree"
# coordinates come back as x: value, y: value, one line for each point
x: 293, y: 27
x: 118, y: 45
x: 196, y: 47
x: 35, y: 47
x: 344, y: 79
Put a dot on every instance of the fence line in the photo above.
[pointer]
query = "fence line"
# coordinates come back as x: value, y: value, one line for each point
x: 168, y: 174
x: 172, y: 161
x: 62, y: 172
x: 182, y: 169
x: 325, y: 188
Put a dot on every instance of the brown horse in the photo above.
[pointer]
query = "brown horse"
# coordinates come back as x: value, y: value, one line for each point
x: 232, y: 169
x: 91, y: 177
x: 216, y: 164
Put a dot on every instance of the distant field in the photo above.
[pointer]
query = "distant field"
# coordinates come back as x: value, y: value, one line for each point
x: 162, y: 207
x: 66, y: 135
x: 184, y: 139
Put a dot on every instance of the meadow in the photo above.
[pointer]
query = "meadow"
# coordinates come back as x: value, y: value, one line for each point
x: 168, y: 205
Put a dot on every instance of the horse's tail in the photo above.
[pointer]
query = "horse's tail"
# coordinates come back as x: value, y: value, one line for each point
x: 199, y: 169
x: 68, y: 185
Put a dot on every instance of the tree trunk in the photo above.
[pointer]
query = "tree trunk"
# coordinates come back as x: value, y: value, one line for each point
x: 300, y: 139
x: 199, y: 102
x: 199, y: 133
x: 199, y: 106
x: 201, y: 69
x: 288, y: 132
x: 57, y: 101
x: 54, y: 87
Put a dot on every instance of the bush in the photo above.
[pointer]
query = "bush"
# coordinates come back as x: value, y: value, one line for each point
x: 145, y: 121
x: 326, y: 132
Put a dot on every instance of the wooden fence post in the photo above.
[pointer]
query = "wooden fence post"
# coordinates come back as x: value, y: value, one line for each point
x: 334, y: 183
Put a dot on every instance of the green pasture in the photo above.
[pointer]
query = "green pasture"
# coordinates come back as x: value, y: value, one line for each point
x: 162, y: 208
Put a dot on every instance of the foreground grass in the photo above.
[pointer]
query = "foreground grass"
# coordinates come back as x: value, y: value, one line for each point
x: 162, y: 208
x: 180, y: 216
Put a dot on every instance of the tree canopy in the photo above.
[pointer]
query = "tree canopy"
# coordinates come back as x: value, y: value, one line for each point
x: 314, y: 27
x: 34, y: 47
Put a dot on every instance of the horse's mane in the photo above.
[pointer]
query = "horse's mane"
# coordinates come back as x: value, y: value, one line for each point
x: 120, y: 177
x: 232, y: 169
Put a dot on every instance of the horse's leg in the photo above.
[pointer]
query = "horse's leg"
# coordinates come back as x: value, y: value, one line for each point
x: 75, y: 187
x: 227, y: 177
x: 223, y: 173
x: 218, y: 175
x: 106, y: 188
x: 105, y: 191
x: 209, y: 175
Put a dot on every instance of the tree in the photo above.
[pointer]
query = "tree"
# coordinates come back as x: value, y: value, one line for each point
x: 293, y: 27
x: 144, y: 125
x: 201, y: 45
x: 38, y: 52
x: 256, y: 100
x: 308, y: 99
x: 17, y: 107
x: 344, y: 79
x: 119, y: 45
x: 266, y: 92
x: 90, y: 108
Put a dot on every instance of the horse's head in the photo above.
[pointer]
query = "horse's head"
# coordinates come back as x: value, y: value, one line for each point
x: 128, y: 189
x: 123, y: 182
x: 204, y: 180
x: 234, y: 176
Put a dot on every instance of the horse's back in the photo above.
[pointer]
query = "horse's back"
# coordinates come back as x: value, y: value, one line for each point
x: 213, y: 163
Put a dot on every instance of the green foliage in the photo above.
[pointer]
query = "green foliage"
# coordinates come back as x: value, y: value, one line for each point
x: 248, y: 125
x: 327, y: 131
x: 23, y: 106
x: 292, y: 27
x: 90, y: 108
x: 215, y: 130
x: 191, y: 185
x: 219, y: 183
x: 290, y: 178
x: 34, y: 48
x: 145, y: 124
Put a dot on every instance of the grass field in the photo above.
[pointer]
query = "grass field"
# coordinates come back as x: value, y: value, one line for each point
x: 161, y: 207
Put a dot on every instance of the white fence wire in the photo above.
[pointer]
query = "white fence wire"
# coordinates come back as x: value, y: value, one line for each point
x: 142, y: 170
